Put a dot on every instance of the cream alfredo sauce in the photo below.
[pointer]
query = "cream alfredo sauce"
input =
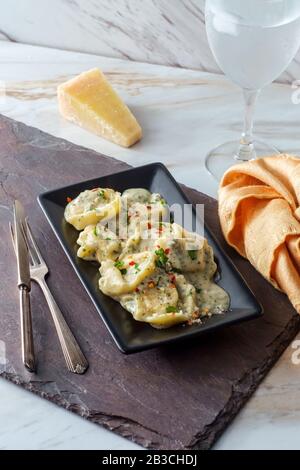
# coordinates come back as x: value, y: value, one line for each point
x: 152, y: 272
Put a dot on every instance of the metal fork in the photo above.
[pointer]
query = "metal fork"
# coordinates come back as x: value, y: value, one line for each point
x: 75, y: 360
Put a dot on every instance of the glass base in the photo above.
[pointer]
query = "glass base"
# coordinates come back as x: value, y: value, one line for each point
x: 224, y: 156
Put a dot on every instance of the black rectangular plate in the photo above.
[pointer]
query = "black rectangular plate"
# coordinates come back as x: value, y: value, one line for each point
x: 132, y: 336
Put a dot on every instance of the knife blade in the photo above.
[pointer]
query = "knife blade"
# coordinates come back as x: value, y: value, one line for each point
x: 24, y: 285
x: 21, y: 247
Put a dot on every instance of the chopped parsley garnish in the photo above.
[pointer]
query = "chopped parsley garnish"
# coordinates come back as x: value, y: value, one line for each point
x: 192, y: 254
x: 162, y: 258
x: 119, y: 265
x: 137, y: 267
x: 171, y: 309
x: 107, y: 238
x: 101, y: 194
x: 95, y: 231
x: 171, y: 217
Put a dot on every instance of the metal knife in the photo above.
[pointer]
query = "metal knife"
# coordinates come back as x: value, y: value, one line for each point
x: 24, y: 285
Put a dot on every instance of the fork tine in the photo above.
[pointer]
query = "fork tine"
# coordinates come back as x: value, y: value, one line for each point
x: 34, y: 260
x: 24, y: 232
x: 12, y: 236
x: 35, y: 248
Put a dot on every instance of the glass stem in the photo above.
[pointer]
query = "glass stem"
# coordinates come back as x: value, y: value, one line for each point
x: 246, y: 149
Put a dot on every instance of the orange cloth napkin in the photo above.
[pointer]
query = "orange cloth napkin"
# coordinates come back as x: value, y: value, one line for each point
x: 259, y: 210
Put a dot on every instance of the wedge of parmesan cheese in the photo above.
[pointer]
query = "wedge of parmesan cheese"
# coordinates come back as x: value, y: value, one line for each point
x: 91, y: 102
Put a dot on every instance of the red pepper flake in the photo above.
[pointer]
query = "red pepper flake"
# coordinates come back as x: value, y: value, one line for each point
x: 69, y: 199
x: 167, y: 251
x: 149, y: 208
x: 137, y: 290
x: 157, y: 246
x: 132, y: 263
x: 173, y: 279
x: 149, y: 226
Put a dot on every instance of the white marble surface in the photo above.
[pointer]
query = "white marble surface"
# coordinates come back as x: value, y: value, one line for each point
x: 184, y: 114
x: 155, y: 31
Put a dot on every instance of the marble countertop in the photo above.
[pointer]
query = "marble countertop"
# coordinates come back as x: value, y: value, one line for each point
x: 184, y: 114
x: 159, y: 32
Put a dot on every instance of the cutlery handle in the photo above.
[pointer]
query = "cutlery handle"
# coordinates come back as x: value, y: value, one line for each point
x: 26, y: 330
x: 76, y: 362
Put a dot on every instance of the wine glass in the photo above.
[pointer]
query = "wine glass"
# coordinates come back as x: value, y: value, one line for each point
x: 253, y: 42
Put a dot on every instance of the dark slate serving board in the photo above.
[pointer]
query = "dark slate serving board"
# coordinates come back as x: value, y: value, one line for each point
x: 177, y: 397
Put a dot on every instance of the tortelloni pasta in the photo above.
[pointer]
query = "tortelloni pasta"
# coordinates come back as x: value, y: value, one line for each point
x: 126, y: 275
x: 98, y: 243
x: 91, y: 206
x: 161, y: 301
x: 159, y: 272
